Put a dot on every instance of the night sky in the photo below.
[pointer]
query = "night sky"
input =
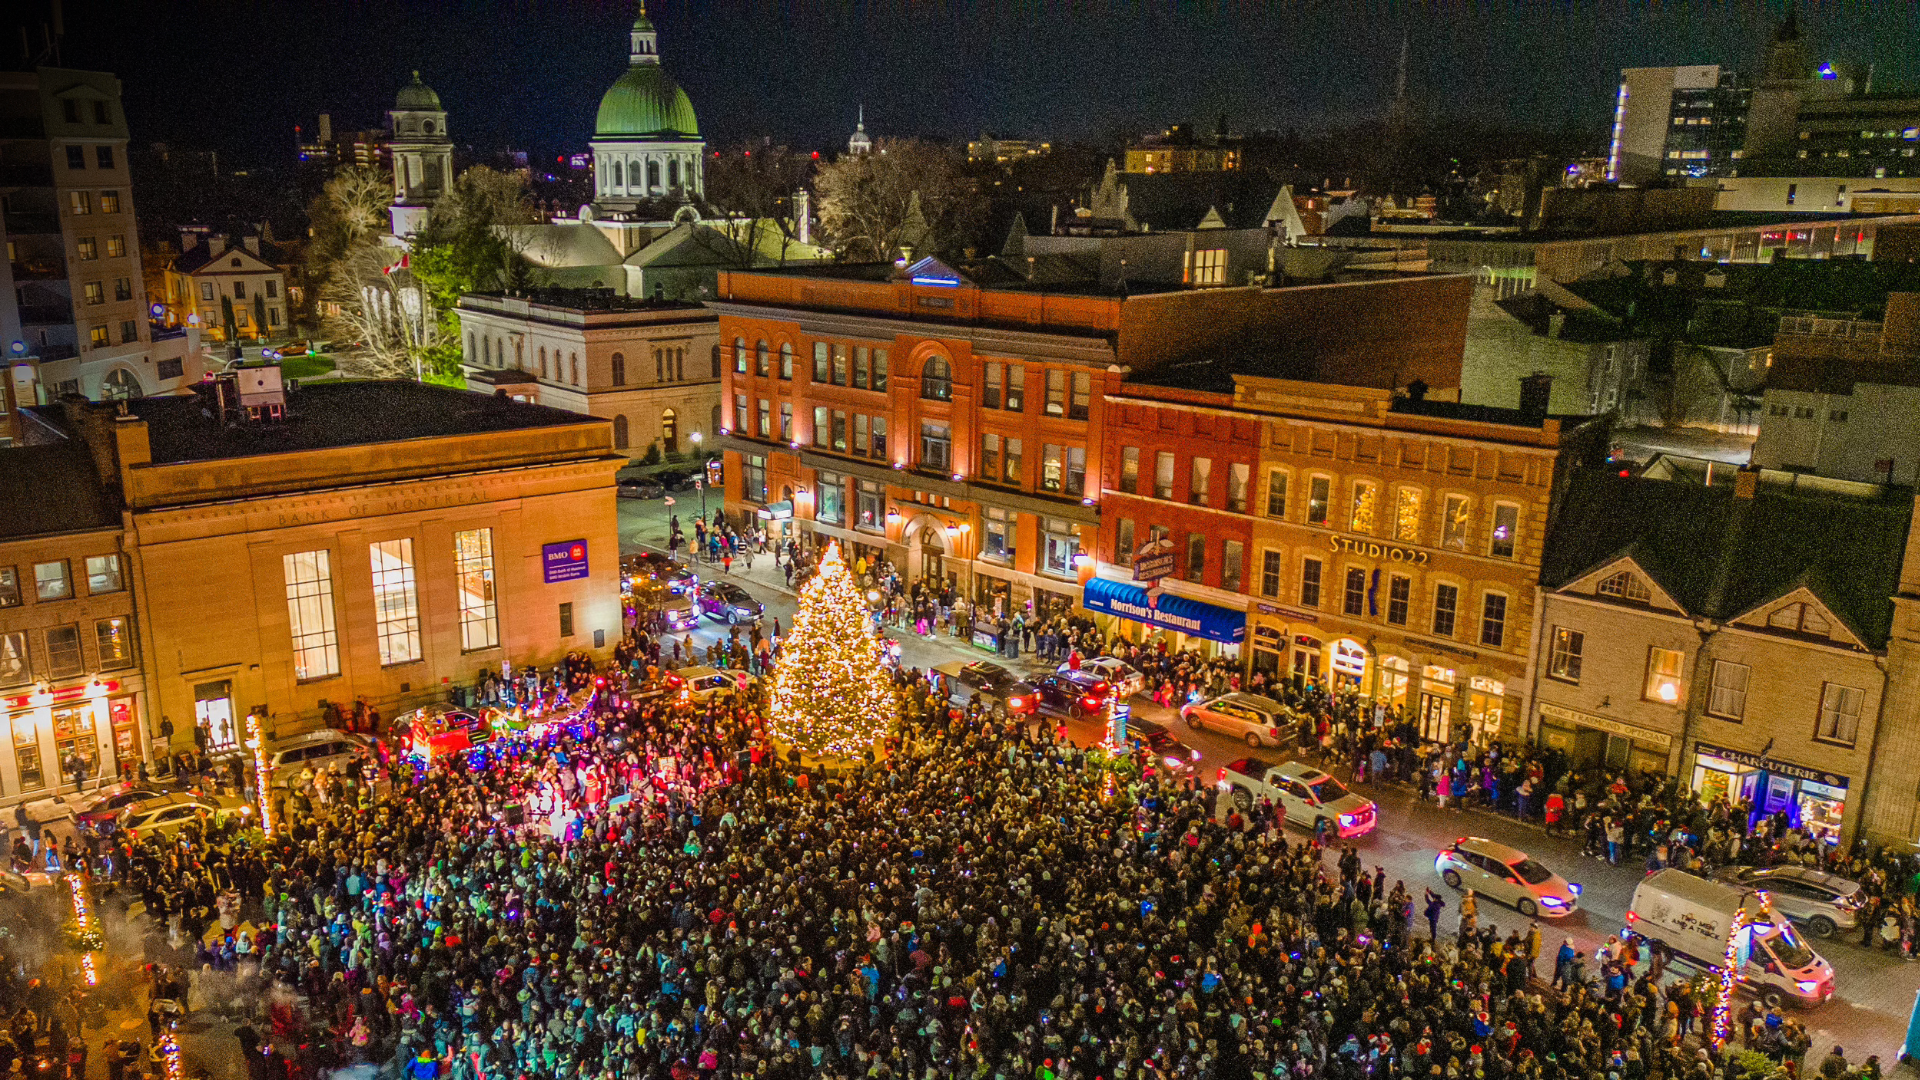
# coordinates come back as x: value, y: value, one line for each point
x: 236, y: 76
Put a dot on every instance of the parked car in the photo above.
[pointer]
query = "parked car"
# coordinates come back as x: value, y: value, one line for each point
x: 996, y: 687
x: 639, y: 489
x: 168, y: 814
x: 729, y: 603
x: 1508, y: 875
x: 1079, y: 694
x: 1119, y: 675
x: 1166, y: 750
x: 101, y: 807
x: 314, y: 752
x: 1822, y: 902
x: 674, y: 575
x: 1305, y: 795
x: 675, y: 480
x: 700, y: 682
x: 1259, y: 721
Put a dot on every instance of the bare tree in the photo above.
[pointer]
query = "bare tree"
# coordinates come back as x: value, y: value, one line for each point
x: 377, y: 304
x: 752, y: 192
x: 867, y: 201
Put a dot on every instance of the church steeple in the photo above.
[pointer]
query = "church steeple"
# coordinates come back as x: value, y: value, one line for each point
x: 645, y: 44
x: 861, y: 143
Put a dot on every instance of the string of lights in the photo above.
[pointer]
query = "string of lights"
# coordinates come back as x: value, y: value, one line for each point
x: 262, y: 771
x: 170, y: 1054
x: 1729, y: 980
x: 832, y: 694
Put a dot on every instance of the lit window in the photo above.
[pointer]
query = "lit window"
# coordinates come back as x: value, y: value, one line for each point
x: 103, y: 574
x: 1625, y: 585
x: 473, y: 576
x: 316, y: 648
x: 50, y: 581
x: 114, y: 637
x: 1506, y: 520
x: 1406, y: 515
x: 1206, y: 267
x: 1453, y: 523
x: 1663, y: 675
x: 1363, y: 508
x: 1564, y: 661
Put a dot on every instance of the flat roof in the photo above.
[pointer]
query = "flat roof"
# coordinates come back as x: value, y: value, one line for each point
x: 52, y: 489
x: 329, y: 415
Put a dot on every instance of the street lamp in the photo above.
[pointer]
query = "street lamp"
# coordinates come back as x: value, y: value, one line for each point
x: 700, y: 481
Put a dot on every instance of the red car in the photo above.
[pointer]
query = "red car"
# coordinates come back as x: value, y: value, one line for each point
x: 103, y: 806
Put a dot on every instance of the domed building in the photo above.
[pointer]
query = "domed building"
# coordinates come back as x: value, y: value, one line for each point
x: 646, y: 140
x: 422, y: 155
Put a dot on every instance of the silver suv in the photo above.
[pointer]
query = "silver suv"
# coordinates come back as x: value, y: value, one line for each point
x: 1260, y: 721
x: 1822, y: 902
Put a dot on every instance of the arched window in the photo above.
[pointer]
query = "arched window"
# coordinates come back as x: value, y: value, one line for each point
x: 680, y: 365
x: 653, y: 175
x: 659, y: 366
x: 740, y: 356
x: 716, y: 419
x: 670, y: 431
x: 486, y: 352
x: 673, y: 174
x: 786, y: 360
x: 619, y: 369
x: 543, y: 361
x: 120, y: 385
x: 936, y: 380
x: 574, y: 361
x: 470, y: 348
x: 716, y: 360
x: 620, y: 433
x: 760, y: 360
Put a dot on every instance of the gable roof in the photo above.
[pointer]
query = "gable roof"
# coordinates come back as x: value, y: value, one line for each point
x: 202, y: 256
x: 1720, y: 556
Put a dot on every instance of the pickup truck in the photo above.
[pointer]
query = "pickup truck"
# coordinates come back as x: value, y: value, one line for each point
x: 1305, y: 795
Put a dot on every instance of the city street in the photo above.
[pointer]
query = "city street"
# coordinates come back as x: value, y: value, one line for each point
x: 1876, y: 989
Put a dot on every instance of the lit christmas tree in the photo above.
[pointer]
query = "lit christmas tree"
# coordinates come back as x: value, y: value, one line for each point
x: 832, y: 693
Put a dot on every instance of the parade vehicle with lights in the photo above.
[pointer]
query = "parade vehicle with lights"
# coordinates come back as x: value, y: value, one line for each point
x: 699, y: 683
x: 998, y: 689
x: 1507, y: 875
x: 1732, y: 930
x: 729, y: 603
x: 1160, y: 744
x: 1305, y: 795
x: 441, y: 731
x: 99, y: 809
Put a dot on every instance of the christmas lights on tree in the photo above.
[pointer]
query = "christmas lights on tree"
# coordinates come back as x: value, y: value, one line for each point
x: 1730, y: 976
x: 833, y: 696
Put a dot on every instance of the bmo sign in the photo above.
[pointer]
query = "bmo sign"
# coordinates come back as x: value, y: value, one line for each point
x: 564, y: 562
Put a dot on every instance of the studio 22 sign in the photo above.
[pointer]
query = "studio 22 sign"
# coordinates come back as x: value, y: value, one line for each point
x: 565, y: 561
x: 1374, y: 550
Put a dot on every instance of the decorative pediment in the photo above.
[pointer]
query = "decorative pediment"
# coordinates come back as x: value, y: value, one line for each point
x: 1801, y: 613
x: 1624, y: 580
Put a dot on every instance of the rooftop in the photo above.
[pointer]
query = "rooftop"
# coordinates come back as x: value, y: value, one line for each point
x: 1719, y: 564
x: 574, y: 299
x: 328, y: 415
x: 53, y: 489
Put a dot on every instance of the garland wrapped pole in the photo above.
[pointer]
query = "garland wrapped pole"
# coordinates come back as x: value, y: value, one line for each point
x: 257, y: 743
x: 1729, y: 977
x: 833, y: 694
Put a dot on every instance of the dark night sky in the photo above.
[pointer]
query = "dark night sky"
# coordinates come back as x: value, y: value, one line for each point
x: 236, y: 75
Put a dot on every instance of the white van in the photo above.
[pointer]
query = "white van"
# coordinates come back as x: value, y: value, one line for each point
x: 1693, y: 918
x: 314, y: 751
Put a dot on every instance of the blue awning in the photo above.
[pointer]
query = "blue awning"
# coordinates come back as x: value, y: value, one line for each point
x: 1171, y: 613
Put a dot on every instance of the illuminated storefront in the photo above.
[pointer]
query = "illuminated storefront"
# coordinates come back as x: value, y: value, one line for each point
x: 1591, y: 741
x: 1191, y: 621
x: 1812, y: 799
x: 92, y: 723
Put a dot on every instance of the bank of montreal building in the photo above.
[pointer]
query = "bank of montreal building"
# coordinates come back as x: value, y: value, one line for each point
x: 385, y: 539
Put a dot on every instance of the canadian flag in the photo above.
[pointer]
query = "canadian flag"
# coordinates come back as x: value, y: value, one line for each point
x: 401, y: 265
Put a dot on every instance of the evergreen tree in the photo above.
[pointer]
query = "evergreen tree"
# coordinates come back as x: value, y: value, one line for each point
x: 833, y: 696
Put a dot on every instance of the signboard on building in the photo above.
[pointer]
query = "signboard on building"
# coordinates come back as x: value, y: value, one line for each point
x: 1601, y: 723
x: 1153, y: 560
x: 565, y: 561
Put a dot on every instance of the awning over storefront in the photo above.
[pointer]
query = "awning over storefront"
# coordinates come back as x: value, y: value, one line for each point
x: 1169, y: 613
x: 779, y: 511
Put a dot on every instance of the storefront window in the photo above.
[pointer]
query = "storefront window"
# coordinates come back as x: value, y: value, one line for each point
x: 213, y: 714
x: 26, y: 751
x: 1349, y: 662
x: 1486, y: 706
x: 1393, y: 682
x: 126, y: 734
x: 73, y: 738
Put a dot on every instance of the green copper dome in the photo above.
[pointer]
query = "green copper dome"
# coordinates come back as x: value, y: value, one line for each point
x: 417, y: 95
x: 645, y: 102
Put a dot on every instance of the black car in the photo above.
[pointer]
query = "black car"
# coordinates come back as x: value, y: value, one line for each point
x: 674, y: 480
x: 994, y: 685
x: 729, y: 603
x: 1076, y: 693
x: 639, y: 489
x: 677, y: 578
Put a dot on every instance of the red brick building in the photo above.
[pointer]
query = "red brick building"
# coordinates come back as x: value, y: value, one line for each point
x: 955, y: 419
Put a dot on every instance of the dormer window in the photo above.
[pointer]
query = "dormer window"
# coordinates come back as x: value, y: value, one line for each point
x: 1800, y: 619
x: 1625, y: 585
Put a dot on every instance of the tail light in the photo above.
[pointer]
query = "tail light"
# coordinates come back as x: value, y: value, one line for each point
x: 1016, y: 703
x: 1632, y: 916
x: 1273, y: 733
x: 1090, y: 702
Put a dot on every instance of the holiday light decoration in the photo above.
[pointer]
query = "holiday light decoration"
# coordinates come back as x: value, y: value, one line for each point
x: 86, y: 928
x: 1730, y: 976
x: 262, y: 772
x: 170, y: 1053
x: 832, y: 694
x: 88, y: 971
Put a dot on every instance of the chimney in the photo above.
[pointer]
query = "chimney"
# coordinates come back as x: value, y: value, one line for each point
x: 252, y: 244
x: 1557, y: 324
x: 216, y: 244
x: 1536, y: 390
x: 1417, y: 390
x: 188, y: 238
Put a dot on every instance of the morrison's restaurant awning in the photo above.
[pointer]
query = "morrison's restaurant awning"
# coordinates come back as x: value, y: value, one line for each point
x: 1169, y: 613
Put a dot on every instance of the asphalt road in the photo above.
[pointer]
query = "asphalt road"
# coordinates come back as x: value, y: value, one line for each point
x: 1875, y: 991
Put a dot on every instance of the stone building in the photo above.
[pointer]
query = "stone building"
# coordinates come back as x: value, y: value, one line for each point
x: 1733, y: 637
x: 284, y: 550
x: 649, y: 367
